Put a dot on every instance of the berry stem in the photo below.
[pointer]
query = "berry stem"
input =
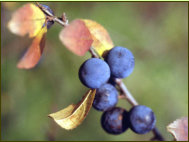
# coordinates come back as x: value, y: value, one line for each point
x: 54, y: 18
x: 93, y: 53
x: 157, y: 135
x: 127, y: 95
x: 126, y: 92
x: 64, y: 22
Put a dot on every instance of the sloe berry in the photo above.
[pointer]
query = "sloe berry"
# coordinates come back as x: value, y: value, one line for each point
x: 121, y: 62
x: 106, y: 97
x: 142, y: 119
x: 48, y: 8
x: 115, y: 120
x: 49, y: 23
x: 94, y: 72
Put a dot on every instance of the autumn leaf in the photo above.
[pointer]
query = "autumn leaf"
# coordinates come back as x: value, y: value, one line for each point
x: 33, y: 54
x: 179, y: 129
x: 76, y: 37
x: 28, y: 19
x: 101, y: 39
x: 83, y: 34
x: 73, y: 115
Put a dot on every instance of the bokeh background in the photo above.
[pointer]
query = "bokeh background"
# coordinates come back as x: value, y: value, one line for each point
x: 156, y: 33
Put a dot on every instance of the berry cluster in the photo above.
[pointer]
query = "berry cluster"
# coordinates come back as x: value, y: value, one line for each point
x: 99, y: 74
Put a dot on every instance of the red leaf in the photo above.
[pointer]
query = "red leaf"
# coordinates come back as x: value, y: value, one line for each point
x: 28, y: 19
x: 101, y: 39
x: 179, y: 129
x: 76, y: 37
x: 83, y: 34
x: 33, y: 54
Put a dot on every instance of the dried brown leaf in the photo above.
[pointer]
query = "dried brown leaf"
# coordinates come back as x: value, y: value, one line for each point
x: 179, y: 129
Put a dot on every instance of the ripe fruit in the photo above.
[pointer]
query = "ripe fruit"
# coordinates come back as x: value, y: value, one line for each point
x: 48, y: 8
x: 121, y: 62
x: 49, y: 23
x: 94, y: 72
x: 106, y: 97
x: 115, y: 120
x: 142, y: 119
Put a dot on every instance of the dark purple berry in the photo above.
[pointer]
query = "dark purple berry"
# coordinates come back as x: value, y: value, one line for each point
x: 106, y: 97
x: 115, y: 121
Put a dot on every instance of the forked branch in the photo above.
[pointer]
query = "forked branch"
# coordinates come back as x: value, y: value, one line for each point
x: 125, y: 92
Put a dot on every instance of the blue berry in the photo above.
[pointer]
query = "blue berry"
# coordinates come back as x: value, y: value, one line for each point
x: 106, y: 97
x: 115, y: 121
x: 121, y: 62
x: 94, y: 72
x: 142, y: 119
x: 48, y: 8
x: 49, y: 23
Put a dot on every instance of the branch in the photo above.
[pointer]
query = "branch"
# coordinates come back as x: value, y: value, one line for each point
x: 157, y: 135
x: 127, y: 95
x: 62, y: 21
x: 126, y: 92
x: 93, y: 53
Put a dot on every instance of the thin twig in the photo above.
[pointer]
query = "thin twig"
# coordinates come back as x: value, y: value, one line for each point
x: 94, y: 55
x: 126, y: 92
x: 157, y: 135
x: 119, y: 82
x: 54, y: 18
x: 60, y: 22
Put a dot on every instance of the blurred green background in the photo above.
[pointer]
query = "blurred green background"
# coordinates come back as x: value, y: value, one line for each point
x: 156, y: 33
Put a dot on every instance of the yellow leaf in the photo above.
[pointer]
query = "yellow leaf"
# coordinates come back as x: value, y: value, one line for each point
x: 73, y: 115
x: 101, y: 39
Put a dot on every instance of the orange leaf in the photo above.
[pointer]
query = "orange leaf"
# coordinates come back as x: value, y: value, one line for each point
x: 28, y: 19
x: 101, y: 39
x: 76, y: 37
x: 33, y: 54
x: 179, y: 129
x: 82, y: 34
